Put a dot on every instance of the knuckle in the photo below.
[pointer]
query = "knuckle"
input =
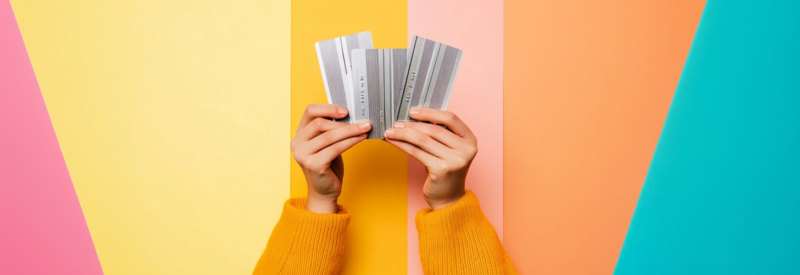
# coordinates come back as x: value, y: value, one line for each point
x: 354, y: 128
x: 413, y: 151
x: 309, y: 163
x: 459, y: 163
x: 318, y: 123
x: 472, y: 150
x: 297, y: 157
x: 308, y: 110
x: 441, y: 169
x: 337, y: 146
x: 436, y: 130
x: 421, y: 139
x: 302, y: 160
x: 400, y: 134
x: 326, y: 138
x: 450, y: 116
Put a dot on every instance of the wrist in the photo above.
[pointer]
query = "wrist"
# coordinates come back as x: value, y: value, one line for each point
x: 440, y: 203
x: 321, y: 204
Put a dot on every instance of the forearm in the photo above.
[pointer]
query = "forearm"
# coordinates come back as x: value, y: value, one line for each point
x: 304, y: 242
x: 458, y: 239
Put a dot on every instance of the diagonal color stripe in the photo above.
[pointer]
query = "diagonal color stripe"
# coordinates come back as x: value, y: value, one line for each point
x: 42, y: 228
x: 172, y: 117
x: 374, y: 188
x: 476, y: 27
x: 721, y: 195
x: 587, y: 88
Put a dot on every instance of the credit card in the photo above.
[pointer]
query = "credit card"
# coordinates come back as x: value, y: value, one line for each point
x: 377, y: 83
x: 334, y: 64
x: 430, y: 76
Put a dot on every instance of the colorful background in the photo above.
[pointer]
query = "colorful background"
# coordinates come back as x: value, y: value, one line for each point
x: 629, y: 137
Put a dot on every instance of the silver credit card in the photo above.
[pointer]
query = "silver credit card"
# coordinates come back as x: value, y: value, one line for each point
x: 377, y: 83
x: 334, y: 63
x: 430, y: 76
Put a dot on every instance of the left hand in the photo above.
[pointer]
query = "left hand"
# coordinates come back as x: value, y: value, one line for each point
x: 317, y: 147
x: 446, y: 153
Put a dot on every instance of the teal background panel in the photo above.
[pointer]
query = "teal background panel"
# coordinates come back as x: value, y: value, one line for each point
x: 722, y: 195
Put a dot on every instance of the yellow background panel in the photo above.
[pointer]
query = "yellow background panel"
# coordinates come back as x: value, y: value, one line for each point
x: 375, y: 172
x: 173, y: 119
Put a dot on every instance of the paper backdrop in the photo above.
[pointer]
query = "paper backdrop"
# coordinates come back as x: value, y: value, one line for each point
x: 173, y: 120
x: 151, y: 137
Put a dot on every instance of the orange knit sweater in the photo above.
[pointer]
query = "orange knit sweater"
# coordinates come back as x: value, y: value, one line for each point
x: 457, y: 239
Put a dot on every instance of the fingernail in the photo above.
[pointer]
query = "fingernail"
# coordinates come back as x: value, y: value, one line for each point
x: 342, y: 111
x: 399, y: 125
x: 390, y: 131
x: 363, y: 125
x: 414, y: 111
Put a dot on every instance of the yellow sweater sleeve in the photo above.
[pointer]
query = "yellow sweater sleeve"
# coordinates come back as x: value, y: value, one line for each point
x: 304, y: 242
x: 458, y: 239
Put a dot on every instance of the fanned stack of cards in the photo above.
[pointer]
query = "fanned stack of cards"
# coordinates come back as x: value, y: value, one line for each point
x: 381, y: 85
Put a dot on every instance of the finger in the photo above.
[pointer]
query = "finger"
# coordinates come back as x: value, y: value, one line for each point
x: 335, y: 150
x: 414, y: 151
x: 420, y: 140
x: 316, y: 127
x: 438, y: 133
x: 321, y: 110
x: 333, y: 136
x: 445, y: 118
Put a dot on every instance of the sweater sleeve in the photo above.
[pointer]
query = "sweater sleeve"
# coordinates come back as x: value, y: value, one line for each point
x: 304, y: 242
x: 458, y: 239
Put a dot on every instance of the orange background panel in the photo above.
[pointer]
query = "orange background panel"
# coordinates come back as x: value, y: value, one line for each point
x: 587, y: 88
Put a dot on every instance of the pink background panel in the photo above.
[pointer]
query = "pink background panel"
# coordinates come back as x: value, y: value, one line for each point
x: 42, y: 228
x: 476, y: 27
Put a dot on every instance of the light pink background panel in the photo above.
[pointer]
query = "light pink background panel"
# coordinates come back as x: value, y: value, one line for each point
x: 476, y: 27
x: 42, y: 229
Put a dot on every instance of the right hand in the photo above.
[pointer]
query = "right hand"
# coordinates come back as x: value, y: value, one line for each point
x: 317, y: 147
x: 446, y: 153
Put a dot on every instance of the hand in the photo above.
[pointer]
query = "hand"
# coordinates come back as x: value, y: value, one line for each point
x: 318, y: 146
x: 446, y: 154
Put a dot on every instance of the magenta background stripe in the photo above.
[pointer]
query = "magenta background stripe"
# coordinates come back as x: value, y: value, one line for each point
x: 42, y: 228
x: 477, y: 28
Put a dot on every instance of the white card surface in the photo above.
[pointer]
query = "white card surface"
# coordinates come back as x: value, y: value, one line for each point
x: 430, y: 76
x: 335, y: 65
x: 377, y: 83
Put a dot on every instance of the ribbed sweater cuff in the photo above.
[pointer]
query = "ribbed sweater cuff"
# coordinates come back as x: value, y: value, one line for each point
x: 312, y: 243
x: 459, y: 239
